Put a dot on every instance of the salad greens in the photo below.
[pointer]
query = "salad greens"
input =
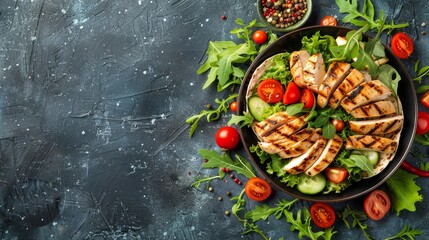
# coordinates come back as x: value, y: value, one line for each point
x: 279, y: 69
x: 224, y: 58
x: 357, y: 218
x: 403, y: 191
x: 302, y: 224
x: 365, y: 15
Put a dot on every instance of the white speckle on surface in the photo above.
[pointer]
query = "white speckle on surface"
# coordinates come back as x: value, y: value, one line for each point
x: 83, y: 132
x: 191, y: 83
x: 81, y: 27
x: 165, y: 233
x: 75, y: 21
x: 140, y: 2
x: 165, y: 19
x: 153, y: 121
x: 207, y: 20
x: 144, y: 72
x: 33, y: 38
x: 63, y: 11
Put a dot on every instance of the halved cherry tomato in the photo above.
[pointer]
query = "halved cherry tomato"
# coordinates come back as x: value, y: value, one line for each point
x: 376, y: 204
x: 257, y: 189
x: 323, y: 214
x: 271, y: 91
x: 292, y: 93
x: 425, y: 99
x: 336, y: 174
x: 422, y: 123
x: 307, y: 98
x: 402, y: 45
x: 233, y: 106
x: 227, y: 137
x: 328, y: 21
x: 338, y: 124
x: 259, y: 37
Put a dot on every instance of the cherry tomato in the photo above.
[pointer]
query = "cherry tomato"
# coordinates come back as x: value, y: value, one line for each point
x: 328, y: 21
x: 233, y: 106
x: 307, y: 98
x: 323, y: 214
x: 336, y: 174
x: 259, y: 37
x: 292, y: 93
x: 227, y: 137
x: 270, y: 91
x: 422, y: 123
x: 338, y: 124
x: 425, y: 99
x: 376, y: 204
x: 402, y: 45
x: 257, y: 189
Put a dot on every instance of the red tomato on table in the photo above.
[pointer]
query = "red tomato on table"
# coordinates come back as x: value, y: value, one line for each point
x: 227, y: 137
x: 328, y: 21
x: 257, y: 189
x: 376, y: 204
x: 402, y: 45
x: 322, y: 214
x: 422, y: 123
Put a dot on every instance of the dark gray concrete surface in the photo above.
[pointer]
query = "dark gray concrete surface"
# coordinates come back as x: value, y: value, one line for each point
x: 93, y: 98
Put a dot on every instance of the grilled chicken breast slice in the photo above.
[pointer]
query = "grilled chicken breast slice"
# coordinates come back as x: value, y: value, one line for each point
x: 283, y: 144
x: 314, y: 71
x: 374, y: 143
x: 327, y: 156
x: 286, y: 129
x: 297, y: 61
x: 336, y: 73
x: 376, y: 109
x: 274, y: 121
x: 300, y: 147
x: 301, y: 163
x: 352, y: 80
x: 365, y: 93
x: 377, y: 126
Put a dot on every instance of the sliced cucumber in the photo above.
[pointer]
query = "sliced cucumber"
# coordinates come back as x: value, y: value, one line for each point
x: 257, y: 107
x: 372, y: 156
x: 311, y: 185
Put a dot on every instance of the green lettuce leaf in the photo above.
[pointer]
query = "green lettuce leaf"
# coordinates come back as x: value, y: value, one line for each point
x: 279, y: 68
x: 404, y: 192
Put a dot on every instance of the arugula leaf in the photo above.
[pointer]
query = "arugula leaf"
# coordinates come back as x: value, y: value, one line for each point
x: 225, y: 57
x: 337, y: 188
x: 421, y: 73
x: 262, y: 213
x: 423, y: 139
x: 198, y: 181
x: 214, y: 160
x: 357, y: 217
x: 404, y: 192
x: 318, y: 43
x: 249, y: 227
x: 364, y: 16
x: 329, y: 131
x: 406, y: 231
x: 211, y: 115
x: 244, y: 120
x: 422, y: 89
x: 302, y: 224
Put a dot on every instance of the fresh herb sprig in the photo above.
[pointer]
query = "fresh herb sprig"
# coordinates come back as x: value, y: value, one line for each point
x: 211, y: 114
x: 223, y: 160
x: 244, y: 120
x: 421, y: 73
x: 365, y: 15
x: 249, y: 226
x: 264, y: 211
x: 406, y: 233
x: 357, y: 218
x: 302, y: 224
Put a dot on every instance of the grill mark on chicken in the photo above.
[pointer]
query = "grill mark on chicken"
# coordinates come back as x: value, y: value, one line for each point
x: 353, y: 94
x: 391, y: 125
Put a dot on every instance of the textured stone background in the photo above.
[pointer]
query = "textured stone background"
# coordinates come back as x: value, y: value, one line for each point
x: 93, y: 98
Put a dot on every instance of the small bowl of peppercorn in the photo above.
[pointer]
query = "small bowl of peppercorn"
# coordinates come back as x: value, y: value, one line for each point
x: 284, y: 15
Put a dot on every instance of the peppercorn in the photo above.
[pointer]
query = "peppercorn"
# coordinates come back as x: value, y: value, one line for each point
x: 278, y: 12
x: 210, y: 189
x: 227, y: 213
x: 228, y: 193
x: 219, y: 199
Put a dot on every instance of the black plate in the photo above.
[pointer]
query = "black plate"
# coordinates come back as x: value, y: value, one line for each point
x: 292, y: 41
